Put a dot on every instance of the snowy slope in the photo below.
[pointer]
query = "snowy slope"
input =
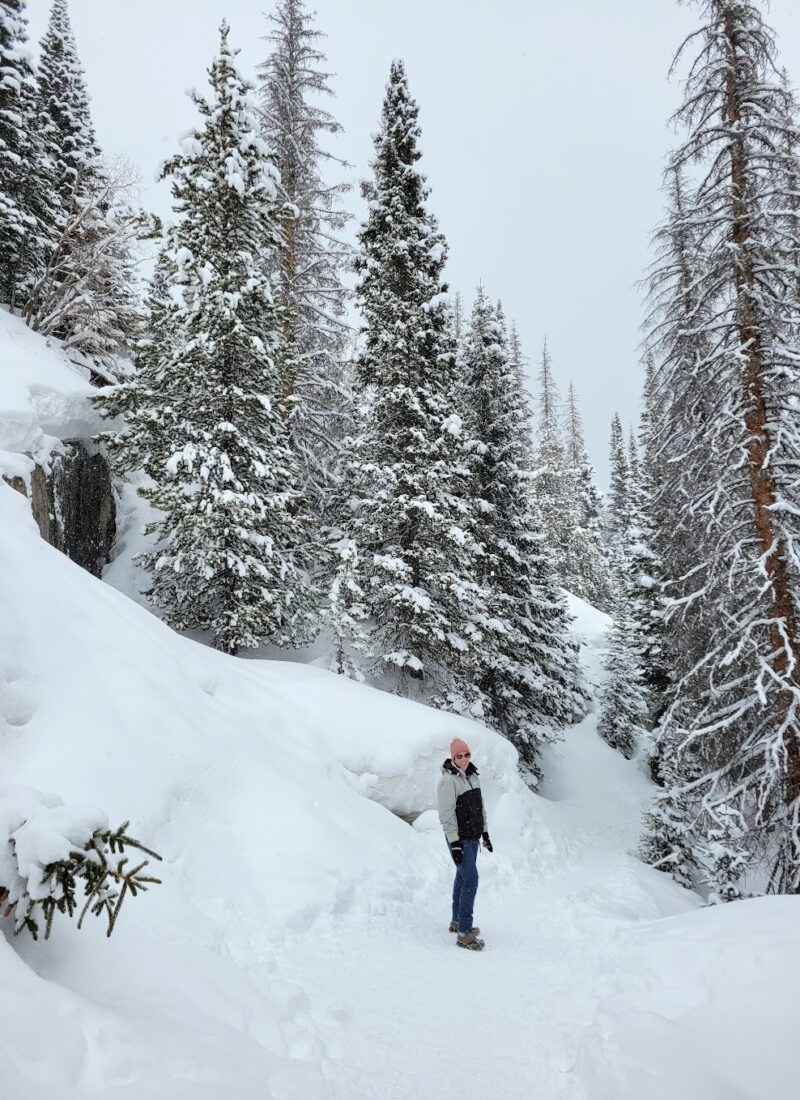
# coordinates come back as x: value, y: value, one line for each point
x: 227, y: 768
x: 297, y: 948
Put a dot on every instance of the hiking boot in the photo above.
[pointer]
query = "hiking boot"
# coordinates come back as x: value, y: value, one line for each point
x: 469, y: 941
x: 454, y: 928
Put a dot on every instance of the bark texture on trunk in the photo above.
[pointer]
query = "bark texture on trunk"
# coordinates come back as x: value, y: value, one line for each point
x: 762, y: 482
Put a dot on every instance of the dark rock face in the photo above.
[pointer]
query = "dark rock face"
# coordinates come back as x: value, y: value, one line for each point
x: 74, y: 506
x: 16, y: 483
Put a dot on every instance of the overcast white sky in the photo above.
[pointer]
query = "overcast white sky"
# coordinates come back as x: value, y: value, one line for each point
x: 543, y: 138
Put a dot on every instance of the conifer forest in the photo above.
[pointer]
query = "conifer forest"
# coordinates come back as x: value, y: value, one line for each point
x: 325, y: 457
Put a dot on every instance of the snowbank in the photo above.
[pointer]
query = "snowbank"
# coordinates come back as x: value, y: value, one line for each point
x: 704, y: 1006
x: 43, y: 397
x: 247, y: 776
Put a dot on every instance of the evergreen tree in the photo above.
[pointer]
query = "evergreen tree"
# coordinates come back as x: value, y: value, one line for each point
x: 591, y: 579
x: 458, y: 319
x: 678, y: 413
x: 410, y: 513
x: 205, y: 415
x: 623, y: 697
x: 17, y: 91
x: 733, y: 716
x: 529, y: 671
x: 666, y: 843
x: 346, y: 614
x: 553, y: 482
x: 67, y: 126
x: 649, y: 606
x: 633, y: 463
x: 618, y: 517
x: 81, y: 291
x: 307, y: 272
x: 625, y: 700
x: 158, y: 297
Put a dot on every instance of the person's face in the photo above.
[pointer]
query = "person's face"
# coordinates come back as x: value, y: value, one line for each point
x: 461, y: 759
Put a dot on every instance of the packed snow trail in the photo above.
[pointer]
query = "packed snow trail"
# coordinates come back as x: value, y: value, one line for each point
x: 587, y: 990
x: 401, y: 1013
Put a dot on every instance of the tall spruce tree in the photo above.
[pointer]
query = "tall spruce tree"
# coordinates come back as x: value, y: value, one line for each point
x: 553, y: 482
x: 205, y: 416
x: 624, y: 698
x: 17, y: 96
x: 67, y: 126
x: 649, y: 605
x: 733, y: 715
x: 679, y: 413
x: 590, y: 577
x: 618, y: 511
x: 81, y: 290
x: 633, y: 461
x: 624, y: 706
x: 529, y: 671
x: 410, y: 512
x: 519, y: 365
x: 308, y: 271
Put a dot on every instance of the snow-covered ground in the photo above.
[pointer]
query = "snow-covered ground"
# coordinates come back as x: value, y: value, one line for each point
x: 298, y: 947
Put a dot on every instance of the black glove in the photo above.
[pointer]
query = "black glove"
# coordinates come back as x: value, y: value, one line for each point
x: 457, y: 851
x: 487, y: 843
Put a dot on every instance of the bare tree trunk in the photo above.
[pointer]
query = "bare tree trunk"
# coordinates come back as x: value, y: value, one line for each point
x: 762, y: 482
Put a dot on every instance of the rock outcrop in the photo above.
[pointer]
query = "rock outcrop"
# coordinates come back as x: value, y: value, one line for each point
x: 74, y: 505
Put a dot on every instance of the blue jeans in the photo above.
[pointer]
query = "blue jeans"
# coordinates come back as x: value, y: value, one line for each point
x: 465, y: 886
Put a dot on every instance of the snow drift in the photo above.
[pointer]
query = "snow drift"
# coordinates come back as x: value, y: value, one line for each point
x: 297, y: 948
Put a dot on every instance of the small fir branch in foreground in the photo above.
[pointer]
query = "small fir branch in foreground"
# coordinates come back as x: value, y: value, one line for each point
x: 100, y: 866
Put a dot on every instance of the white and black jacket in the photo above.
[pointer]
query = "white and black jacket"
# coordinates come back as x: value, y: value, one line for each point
x: 461, y: 809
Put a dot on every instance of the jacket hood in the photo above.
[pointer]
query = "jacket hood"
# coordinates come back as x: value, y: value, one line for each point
x: 449, y: 766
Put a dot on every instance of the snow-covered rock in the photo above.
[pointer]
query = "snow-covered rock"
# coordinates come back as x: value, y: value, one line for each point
x: 43, y: 397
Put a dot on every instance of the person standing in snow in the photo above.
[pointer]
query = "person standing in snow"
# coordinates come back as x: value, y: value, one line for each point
x: 463, y: 818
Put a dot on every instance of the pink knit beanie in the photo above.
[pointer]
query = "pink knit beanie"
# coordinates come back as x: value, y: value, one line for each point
x: 457, y: 745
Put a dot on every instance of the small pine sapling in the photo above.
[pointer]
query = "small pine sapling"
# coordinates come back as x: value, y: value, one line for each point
x: 56, y: 862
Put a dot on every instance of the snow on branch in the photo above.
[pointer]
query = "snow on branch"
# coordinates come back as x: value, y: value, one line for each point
x: 56, y: 857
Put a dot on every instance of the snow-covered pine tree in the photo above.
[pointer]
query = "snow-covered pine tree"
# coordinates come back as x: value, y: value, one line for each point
x: 410, y: 512
x: 308, y: 271
x: 648, y: 607
x: 618, y: 517
x: 159, y: 298
x: 528, y: 664
x: 458, y: 318
x: 624, y: 708
x: 591, y: 576
x: 633, y: 461
x: 67, y: 126
x: 678, y: 412
x: 346, y: 613
x: 519, y: 364
x: 553, y: 482
x: 666, y: 842
x: 17, y: 93
x: 735, y: 709
x: 636, y: 676
x: 205, y: 414
x: 82, y: 292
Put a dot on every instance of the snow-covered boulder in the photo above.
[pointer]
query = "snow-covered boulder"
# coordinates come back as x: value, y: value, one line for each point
x: 47, y: 453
